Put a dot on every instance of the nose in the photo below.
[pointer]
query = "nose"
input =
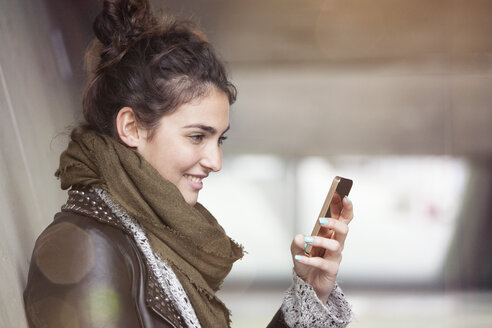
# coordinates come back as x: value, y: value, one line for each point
x: 212, y: 158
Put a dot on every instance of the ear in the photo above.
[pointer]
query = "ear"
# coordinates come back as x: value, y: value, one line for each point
x: 128, y: 130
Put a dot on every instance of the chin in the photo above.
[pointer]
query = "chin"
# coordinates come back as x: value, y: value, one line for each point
x: 191, y: 199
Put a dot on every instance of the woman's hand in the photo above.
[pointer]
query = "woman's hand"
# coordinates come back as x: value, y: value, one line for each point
x: 321, y: 269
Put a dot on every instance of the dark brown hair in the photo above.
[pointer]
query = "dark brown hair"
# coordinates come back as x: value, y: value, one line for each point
x: 151, y: 65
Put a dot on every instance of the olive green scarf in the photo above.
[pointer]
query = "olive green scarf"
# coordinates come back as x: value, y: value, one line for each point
x: 187, y: 237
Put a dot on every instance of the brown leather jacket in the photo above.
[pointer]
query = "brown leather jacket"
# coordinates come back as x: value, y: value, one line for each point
x: 87, y: 271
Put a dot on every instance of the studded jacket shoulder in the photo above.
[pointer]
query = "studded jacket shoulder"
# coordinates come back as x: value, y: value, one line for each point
x: 86, y: 271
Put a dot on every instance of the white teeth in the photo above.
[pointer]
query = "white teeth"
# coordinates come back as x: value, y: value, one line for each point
x: 192, y: 178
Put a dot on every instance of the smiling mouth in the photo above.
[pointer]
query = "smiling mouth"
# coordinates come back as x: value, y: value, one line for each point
x: 193, y: 178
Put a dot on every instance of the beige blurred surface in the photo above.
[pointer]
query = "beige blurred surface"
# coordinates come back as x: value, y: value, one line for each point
x: 389, y: 77
x: 379, y: 309
x: 34, y: 107
x: 315, y: 77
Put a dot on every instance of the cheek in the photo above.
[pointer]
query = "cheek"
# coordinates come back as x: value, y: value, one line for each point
x: 174, y: 159
x: 181, y: 159
x: 186, y: 158
x: 161, y: 158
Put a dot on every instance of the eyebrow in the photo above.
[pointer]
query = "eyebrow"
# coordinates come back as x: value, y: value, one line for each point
x: 206, y: 128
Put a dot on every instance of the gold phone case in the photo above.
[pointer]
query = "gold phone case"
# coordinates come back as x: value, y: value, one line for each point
x: 341, y: 187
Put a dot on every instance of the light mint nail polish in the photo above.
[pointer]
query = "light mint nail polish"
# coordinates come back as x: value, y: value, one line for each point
x: 348, y: 200
x: 308, y: 239
x: 305, y: 245
x: 298, y: 257
x: 323, y: 220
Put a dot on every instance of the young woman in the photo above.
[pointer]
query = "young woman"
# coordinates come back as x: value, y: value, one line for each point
x: 132, y: 247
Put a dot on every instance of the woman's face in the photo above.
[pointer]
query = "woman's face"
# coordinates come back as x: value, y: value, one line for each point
x: 186, y: 146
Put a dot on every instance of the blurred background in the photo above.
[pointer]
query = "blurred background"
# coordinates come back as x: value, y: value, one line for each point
x: 393, y: 94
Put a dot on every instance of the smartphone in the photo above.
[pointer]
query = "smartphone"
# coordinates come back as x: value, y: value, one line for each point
x: 332, y: 207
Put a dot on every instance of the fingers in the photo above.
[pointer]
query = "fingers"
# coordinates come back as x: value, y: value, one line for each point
x: 347, y: 213
x: 332, y: 248
x: 300, y: 242
x: 331, y: 237
x: 334, y: 229
x: 297, y: 246
x: 329, y: 266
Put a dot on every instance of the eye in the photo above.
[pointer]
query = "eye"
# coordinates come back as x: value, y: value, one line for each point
x: 197, y: 138
x: 222, y: 139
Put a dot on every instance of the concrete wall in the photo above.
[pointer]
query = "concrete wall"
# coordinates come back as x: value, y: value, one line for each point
x: 34, y: 108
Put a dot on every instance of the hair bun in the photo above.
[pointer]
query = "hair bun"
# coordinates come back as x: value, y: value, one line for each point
x: 122, y: 20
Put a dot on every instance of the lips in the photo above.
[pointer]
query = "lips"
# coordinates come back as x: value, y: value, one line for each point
x: 193, y: 178
x: 195, y: 181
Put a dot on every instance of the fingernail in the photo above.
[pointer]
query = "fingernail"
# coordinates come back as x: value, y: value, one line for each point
x: 323, y: 220
x: 298, y: 257
x: 308, y: 239
x: 305, y: 245
x: 348, y: 200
